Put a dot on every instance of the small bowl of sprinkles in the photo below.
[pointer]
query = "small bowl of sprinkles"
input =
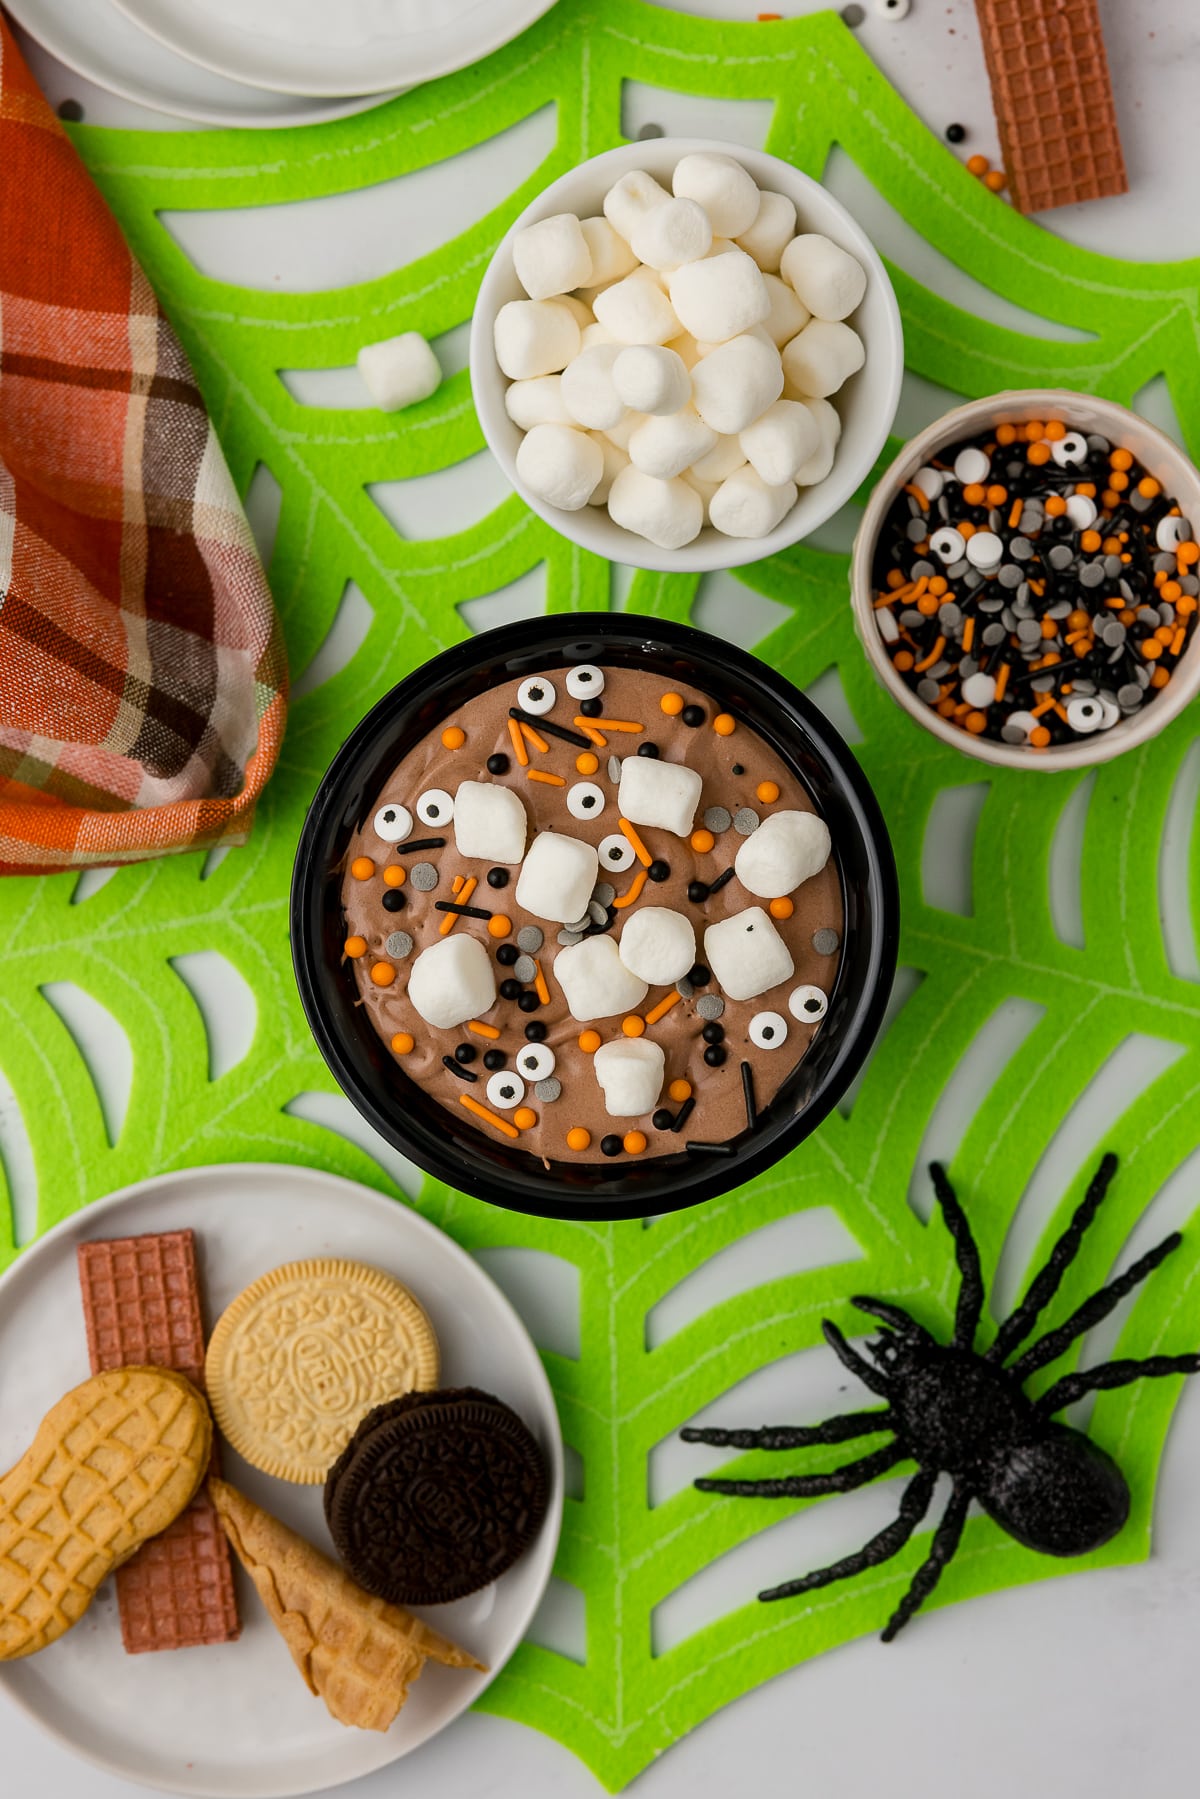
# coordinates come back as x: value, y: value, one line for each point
x: 1026, y: 579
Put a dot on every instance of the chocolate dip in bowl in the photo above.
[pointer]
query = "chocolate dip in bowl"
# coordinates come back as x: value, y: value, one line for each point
x: 507, y: 1103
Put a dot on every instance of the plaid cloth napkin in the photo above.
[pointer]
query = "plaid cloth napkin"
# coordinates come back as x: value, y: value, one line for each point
x: 142, y: 671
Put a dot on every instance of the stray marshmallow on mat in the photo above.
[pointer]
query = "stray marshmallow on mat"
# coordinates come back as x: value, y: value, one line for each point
x: 595, y: 981
x: 537, y: 401
x: 399, y: 371
x: 827, y: 278
x: 535, y: 337
x: 557, y: 877
x: 649, y: 378
x: 629, y: 199
x: 722, y: 187
x: 823, y: 356
x: 560, y: 465
x: 637, y: 311
x: 489, y: 822
x: 669, y: 235
x: 610, y: 254
x: 779, y: 443
x: 658, y: 945
x: 587, y: 388
x: 719, y: 297
x: 787, y: 849
x: 726, y: 455
x: 552, y: 257
x: 666, y: 513
x: 451, y: 981
x: 735, y: 383
x: 746, y: 954
x: 667, y: 446
x: 745, y: 506
x: 630, y: 1074
x: 771, y: 231
x: 663, y: 795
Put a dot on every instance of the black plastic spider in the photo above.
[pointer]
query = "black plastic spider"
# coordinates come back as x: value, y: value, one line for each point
x: 952, y: 1410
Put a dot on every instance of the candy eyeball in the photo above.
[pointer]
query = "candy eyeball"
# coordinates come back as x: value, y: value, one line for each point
x: 1171, y: 531
x: 808, y: 1004
x: 536, y: 696
x: 768, y: 1030
x: 1084, y: 714
x: 616, y: 854
x: 893, y: 9
x: 1069, y: 451
x: 585, y: 800
x: 505, y: 1091
x: 947, y: 544
x: 586, y: 682
x: 392, y: 824
x: 435, y: 807
x: 536, y: 1061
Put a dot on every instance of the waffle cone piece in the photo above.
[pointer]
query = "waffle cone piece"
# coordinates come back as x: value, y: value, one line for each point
x: 113, y: 1464
x: 359, y: 1654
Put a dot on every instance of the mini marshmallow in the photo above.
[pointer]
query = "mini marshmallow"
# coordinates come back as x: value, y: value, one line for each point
x: 587, y: 388
x: 620, y: 433
x: 720, y: 245
x: 686, y: 348
x: 746, y: 954
x: 719, y: 297
x: 706, y: 489
x: 614, y: 461
x: 399, y: 371
x: 771, y: 231
x: 726, y: 455
x: 451, y: 981
x: 562, y: 466
x: 535, y: 337
x: 636, y: 310
x: 787, y: 849
x: 552, y: 257
x: 821, y: 461
x: 651, y: 379
x: 788, y: 315
x: 667, y: 236
x: 745, y: 506
x: 579, y: 310
x: 727, y: 193
x: 822, y: 357
x: 595, y: 981
x: 658, y: 945
x: 538, y: 401
x: 489, y: 822
x: 781, y: 441
x: 666, y: 446
x: 610, y: 254
x: 630, y: 1074
x: 593, y: 334
x: 634, y: 195
x: 666, y: 513
x: 557, y: 877
x: 735, y: 383
x: 827, y: 278
x: 663, y: 795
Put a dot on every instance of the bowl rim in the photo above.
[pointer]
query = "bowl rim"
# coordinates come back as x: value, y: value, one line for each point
x: 436, y: 1153
x: 885, y: 349
x: 1030, y: 403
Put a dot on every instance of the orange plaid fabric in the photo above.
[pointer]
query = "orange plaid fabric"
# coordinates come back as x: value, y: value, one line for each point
x: 142, y: 672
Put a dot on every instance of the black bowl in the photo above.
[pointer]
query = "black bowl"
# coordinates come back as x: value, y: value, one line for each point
x: 456, y: 1152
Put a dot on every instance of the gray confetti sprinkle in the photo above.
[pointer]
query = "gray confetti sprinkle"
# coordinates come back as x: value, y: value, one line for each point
x: 1060, y: 557
x: 745, y: 821
x: 684, y: 988
x: 915, y: 529
x: 580, y: 925
x: 1140, y: 502
x: 1091, y: 574
x: 1098, y: 443
x: 928, y: 690
x: 1029, y: 631
x: 1129, y: 696
x: 548, y: 1090
x: 1043, y: 684
x: 530, y: 939
x: 1113, y: 634
x: 1166, y: 613
x: 973, y: 579
x: 967, y: 667
x: 992, y: 635
x: 1060, y: 609
x: 597, y: 912
x: 524, y: 969
x: 991, y: 605
x: 604, y: 892
x: 399, y: 944
x: 1020, y: 549
x: 1010, y: 575
x: 949, y: 614
x: 1085, y: 687
x: 825, y: 942
x: 1113, y: 566
x: 921, y: 567
x: 1163, y: 563
x: 1012, y: 734
x: 569, y: 937
x: 718, y: 819
x: 710, y: 1006
x: 958, y: 569
x: 912, y: 620
x: 614, y: 768
x: 424, y: 876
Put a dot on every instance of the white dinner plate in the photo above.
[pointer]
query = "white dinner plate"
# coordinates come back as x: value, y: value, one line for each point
x: 236, y: 1720
x: 349, y: 47
x: 98, y: 42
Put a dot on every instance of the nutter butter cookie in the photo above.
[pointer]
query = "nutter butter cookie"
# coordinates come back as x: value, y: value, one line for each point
x: 303, y: 1352
x: 435, y: 1496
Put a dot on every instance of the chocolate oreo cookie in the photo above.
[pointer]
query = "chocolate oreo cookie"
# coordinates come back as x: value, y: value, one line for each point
x: 435, y: 1496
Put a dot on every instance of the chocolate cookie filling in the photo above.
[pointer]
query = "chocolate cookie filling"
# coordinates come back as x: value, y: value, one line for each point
x: 586, y: 1018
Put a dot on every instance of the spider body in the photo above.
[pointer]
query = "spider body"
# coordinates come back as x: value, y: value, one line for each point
x: 953, y: 1410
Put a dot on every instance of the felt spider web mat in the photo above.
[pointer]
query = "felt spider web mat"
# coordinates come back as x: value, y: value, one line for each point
x: 1018, y: 1016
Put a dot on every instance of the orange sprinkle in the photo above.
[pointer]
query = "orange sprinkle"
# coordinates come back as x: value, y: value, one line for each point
x: 518, y: 743
x: 362, y: 868
x: 1177, y: 643
x: 1171, y: 590
x: 1055, y: 506
x: 767, y: 792
x: 902, y: 660
x: 928, y: 604
x: 355, y: 947
x: 610, y: 724
x: 545, y: 777
x: 451, y: 919
x: 1160, y: 677
x: 586, y: 763
x: 973, y: 493
x: 596, y: 737
x: 662, y: 1008
x: 1006, y: 434
x: 1033, y: 431
x: 1014, y: 517
x: 1090, y: 541
x: 672, y: 704
x: 1118, y: 482
x: 976, y: 722
x: 1148, y: 487
x: 524, y: 1118
x: 995, y: 180
x: 1001, y: 680
x: 635, y: 1143
x: 589, y: 1042
x: 702, y: 841
x: 394, y: 875
x: 679, y: 1091
x: 1038, y: 454
x: 631, y: 837
x: 578, y: 1138
x: 453, y: 737
x: 1039, y: 737
x: 978, y: 165
x: 483, y: 1030
x: 627, y: 899
x: 1044, y: 705
x: 456, y: 884
x: 1110, y: 500
x: 781, y: 907
x: 533, y: 737
x: 724, y: 724
x: 1121, y: 459
x: 938, y: 584
x: 1165, y: 633
x: 1049, y: 628
x: 1088, y: 488
x: 1151, y: 649
x: 383, y: 974
x: 499, y: 925
x: 910, y: 487
x: 1186, y: 605
x: 1187, y: 552
x: 473, y: 1105
x: 634, y: 1025
x: 401, y: 1043
x: 965, y: 528
x: 895, y: 578
x: 968, y: 635
x: 539, y: 985
x: 930, y: 659
x: 996, y: 495
x: 1055, y: 429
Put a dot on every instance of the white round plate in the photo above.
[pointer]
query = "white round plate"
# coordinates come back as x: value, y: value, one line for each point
x: 236, y: 1720
x: 349, y: 47
x: 98, y: 42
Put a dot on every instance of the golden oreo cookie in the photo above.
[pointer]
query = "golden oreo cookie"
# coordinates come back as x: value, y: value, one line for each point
x: 304, y: 1352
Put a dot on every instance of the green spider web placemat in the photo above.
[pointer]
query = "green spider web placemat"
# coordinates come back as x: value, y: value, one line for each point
x: 122, y: 945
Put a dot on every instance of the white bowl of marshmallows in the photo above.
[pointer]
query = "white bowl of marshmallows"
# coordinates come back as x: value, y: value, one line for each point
x: 686, y: 355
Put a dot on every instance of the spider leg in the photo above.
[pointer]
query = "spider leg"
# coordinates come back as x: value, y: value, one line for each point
x: 889, y: 1542
x: 966, y: 1251
x: 1046, y: 1282
x: 946, y: 1539
x: 850, y: 1358
x: 1071, y: 1387
x: 786, y: 1436
x: 1049, y: 1347
x: 896, y: 1316
x: 810, y: 1486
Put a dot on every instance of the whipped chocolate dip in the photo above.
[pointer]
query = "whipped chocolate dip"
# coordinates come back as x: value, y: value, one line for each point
x: 391, y: 917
